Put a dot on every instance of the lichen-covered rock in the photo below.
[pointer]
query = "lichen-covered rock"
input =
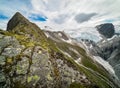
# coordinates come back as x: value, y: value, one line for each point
x: 114, y: 60
x: 22, y: 66
x: 1, y: 36
x: 2, y: 80
x: 2, y: 60
x: 11, y: 51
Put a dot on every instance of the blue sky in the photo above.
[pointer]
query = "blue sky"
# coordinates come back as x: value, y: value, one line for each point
x: 3, y: 17
x: 62, y: 14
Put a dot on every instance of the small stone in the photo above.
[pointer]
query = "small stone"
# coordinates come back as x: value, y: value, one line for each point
x: 11, y: 51
x: 2, y: 60
x: 2, y: 78
x: 1, y: 36
x: 22, y: 66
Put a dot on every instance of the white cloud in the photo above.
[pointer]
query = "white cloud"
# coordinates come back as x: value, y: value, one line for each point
x: 3, y: 24
x: 61, y: 13
x: 65, y: 11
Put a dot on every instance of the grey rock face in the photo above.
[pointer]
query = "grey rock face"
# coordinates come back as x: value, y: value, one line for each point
x: 2, y: 79
x: 111, y: 53
x: 107, y: 30
x: 117, y: 70
x: 110, y: 46
x: 2, y: 60
x: 109, y: 50
x: 16, y: 19
x: 114, y: 60
x: 93, y: 48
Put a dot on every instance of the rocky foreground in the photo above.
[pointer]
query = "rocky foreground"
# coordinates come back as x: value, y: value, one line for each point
x: 30, y: 58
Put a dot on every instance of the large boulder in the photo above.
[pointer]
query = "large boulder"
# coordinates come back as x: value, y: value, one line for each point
x: 107, y: 29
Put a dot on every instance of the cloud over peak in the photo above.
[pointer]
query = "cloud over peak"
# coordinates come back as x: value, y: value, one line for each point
x: 63, y: 14
x: 83, y: 17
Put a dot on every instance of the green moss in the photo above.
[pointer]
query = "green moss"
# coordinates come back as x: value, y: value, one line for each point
x: 29, y: 44
x: 65, y: 47
x: 76, y: 85
x: 36, y: 77
x: 20, y: 37
x: 89, y: 63
x: 29, y: 79
x: 52, y: 45
x: 33, y: 78
x: 9, y: 60
x: 18, y: 84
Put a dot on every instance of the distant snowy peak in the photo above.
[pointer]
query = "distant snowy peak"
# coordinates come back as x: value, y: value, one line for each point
x: 107, y: 30
x: 117, y: 29
x: 90, y: 33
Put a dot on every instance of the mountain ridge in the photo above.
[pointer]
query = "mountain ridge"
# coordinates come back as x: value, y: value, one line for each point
x: 30, y: 59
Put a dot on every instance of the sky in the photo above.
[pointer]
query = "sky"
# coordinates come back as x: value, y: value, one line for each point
x: 62, y: 14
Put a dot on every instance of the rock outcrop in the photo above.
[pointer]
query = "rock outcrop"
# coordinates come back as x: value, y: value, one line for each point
x: 20, y: 25
x: 17, y: 19
x: 107, y: 29
x: 29, y: 59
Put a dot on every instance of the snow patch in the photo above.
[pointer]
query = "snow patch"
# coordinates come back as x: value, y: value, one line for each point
x: 91, y: 46
x: 103, y: 41
x: 65, y: 53
x: 47, y: 34
x: 70, y: 41
x: 105, y: 64
x: 86, y: 47
x: 75, y: 51
x: 78, y: 60
x: 60, y: 34
x: 112, y: 38
x: 108, y: 67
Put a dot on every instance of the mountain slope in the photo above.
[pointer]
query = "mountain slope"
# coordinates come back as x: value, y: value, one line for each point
x: 30, y: 59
